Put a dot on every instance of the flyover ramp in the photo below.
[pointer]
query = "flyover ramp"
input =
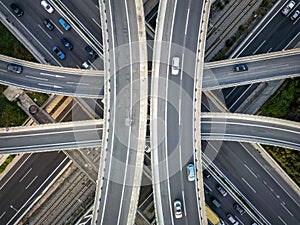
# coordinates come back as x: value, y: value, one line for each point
x: 180, y: 33
x: 86, y: 83
x: 51, y: 137
x: 250, y: 128
x: 261, y: 68
x: 215, y: 126
x: 53, y: 79
x: 125, y: 91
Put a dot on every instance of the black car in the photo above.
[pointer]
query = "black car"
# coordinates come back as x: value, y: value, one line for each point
x: 240, y: 68
x: 66, y: 43
x: 91, y: 51
x: 17, y: 10
x: 238, y: 208
x: 48, y: 24
x: 14, y: 68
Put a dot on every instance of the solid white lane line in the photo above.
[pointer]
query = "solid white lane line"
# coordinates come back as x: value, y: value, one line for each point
x: 250, y: 171
x: 44, y: 31
x: 113, y: 115
x: 2, y: 214
x: 282, y: 220
x: 253, y: 53
x: 207, y: 187
x: 249, y: 185
x: 37, y: 78
x: 228, y: 95
x: 25, y: 175
x: 251, y: 125
x: 240, y: 97
x: 130, y: 114
x: 16, y: 171
x: 291, y: 40
x: 57, y: 27
x: 31, y: 182
x: 253, y: 38
x: 286, y: 209
x: 96, y: 23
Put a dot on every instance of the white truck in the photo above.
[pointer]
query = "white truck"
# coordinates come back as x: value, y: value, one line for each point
x: 288, y: 8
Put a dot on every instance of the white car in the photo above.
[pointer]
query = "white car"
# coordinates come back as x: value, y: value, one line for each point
x: 175, y: 66
x: 47, y: 6
x: 295, y: 15
x: 288, y: 8
x: 177, y: 209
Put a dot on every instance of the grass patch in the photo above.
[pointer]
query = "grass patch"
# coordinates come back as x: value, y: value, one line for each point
x: 39, y: 98
x: 6, y: 162
x: 264, y: 7
x: 10, y: 113
x: 10, y: 46
x: 286, y: 105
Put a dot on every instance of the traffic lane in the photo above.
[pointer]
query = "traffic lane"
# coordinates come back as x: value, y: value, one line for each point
x: 276, y: 42
x: 258, y: 70
x: 260, y: 133
x: 234, y: 103
x: 192, y: 27
x: 274, y: 26
x: 30, y: 176
x: 226, y: 202
x: 122, y: 145
x: 262, y: 191
x: 33, y: 28
x: 70, y: 83
x: 180, y: 21
x: 88, y: 13
x: 66, y: 138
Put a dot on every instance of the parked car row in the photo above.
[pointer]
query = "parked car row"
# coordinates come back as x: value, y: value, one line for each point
x: 288, y: 8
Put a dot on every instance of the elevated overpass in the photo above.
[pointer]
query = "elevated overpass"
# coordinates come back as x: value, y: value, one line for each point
x: 51, y: 137
x: 215, y: 126
x: 261, y: 68
x: 86, y: 83
x: 125, y: 91
x: 250, y: 128
x: 53, y: 79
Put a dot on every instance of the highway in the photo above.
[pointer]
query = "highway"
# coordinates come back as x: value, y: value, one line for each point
x: 177, y: 35
x: 125, y: 115
x: 53, y: 79
x: 244, y: 168
x: 169, y: 93
x: 249, y: 128
x: 51, y: 137
x: 41, y: 40
x: 275, y: 32
x: 26, y: 182
x: 215, y: 126
x: 86, y: 83
x: 261, y: 68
